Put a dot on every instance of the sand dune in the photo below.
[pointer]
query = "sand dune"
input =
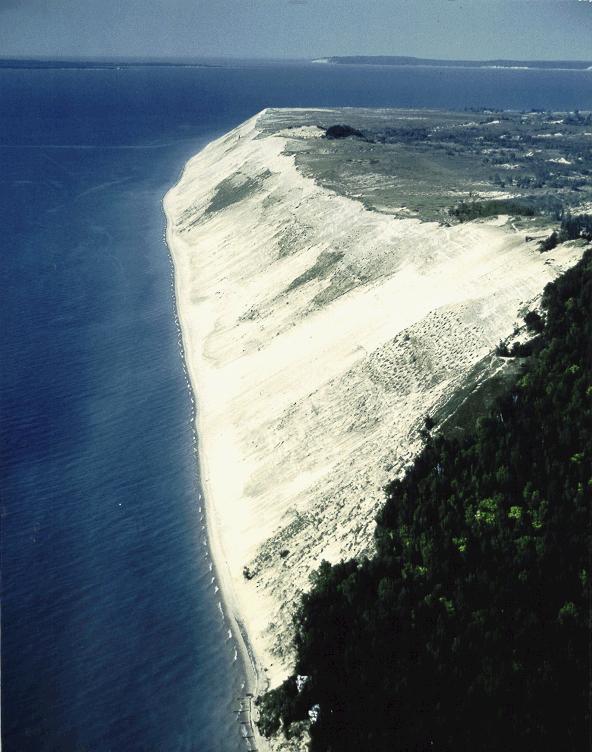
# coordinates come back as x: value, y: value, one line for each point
x: 318, y: 334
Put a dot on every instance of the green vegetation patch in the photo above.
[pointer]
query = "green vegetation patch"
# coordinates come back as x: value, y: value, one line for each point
x: 578, y: 227
x: 524, y: 207
x: 468, y: 210
x: 322, y: 267
x: 233, y: 189
x: 342, y: 131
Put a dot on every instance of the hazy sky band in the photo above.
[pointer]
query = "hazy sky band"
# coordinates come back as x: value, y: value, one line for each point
x: 516, y: 29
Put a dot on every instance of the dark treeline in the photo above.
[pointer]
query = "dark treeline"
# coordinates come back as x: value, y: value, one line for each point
x: 572, y: 228
x: 469, y: 210
x: 470, y: 627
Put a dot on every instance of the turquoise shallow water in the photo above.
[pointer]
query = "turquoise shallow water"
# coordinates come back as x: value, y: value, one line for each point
x: 112, y: 639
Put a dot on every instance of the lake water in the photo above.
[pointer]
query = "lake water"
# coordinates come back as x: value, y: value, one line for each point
x: 112, y: 640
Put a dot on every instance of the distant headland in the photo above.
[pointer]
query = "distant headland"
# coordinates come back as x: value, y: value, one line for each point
x: 33, y: 63
x: 403, y: 60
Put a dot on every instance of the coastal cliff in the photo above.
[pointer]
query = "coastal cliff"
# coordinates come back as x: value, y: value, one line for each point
x: 319, y: 332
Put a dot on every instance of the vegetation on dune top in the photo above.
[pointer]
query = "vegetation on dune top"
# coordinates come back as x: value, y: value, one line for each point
x: 572, y: 228
x: 470, y: 627
x: 342, y: 131
x: 468, y: 210
x: 425, y: 161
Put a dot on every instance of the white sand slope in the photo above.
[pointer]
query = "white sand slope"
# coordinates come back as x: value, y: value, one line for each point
x: 318, y: 334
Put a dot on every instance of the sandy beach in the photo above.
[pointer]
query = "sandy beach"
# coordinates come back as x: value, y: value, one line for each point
x: 255, y: 681
x: 317, y: 335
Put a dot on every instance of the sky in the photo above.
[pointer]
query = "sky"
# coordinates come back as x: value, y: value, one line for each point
x: 467, y: 29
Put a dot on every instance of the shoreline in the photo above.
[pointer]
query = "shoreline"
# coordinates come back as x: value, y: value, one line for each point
x: 254, y: 682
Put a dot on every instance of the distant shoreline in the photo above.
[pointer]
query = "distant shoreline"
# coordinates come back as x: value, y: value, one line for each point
x: 397, y: 60
x: 366, y: 60
x: 95, y: 65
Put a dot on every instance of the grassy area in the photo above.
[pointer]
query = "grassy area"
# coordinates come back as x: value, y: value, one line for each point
x: 234, y: 189
x: 430, y: 163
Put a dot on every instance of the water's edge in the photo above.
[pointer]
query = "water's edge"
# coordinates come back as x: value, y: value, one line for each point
x: 254, y: 682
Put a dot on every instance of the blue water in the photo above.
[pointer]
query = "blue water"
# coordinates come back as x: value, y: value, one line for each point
x: 112, y: 640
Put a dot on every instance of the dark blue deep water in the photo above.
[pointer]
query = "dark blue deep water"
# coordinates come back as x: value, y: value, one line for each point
x: 112, y: 640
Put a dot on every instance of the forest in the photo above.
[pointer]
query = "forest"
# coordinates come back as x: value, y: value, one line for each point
x: 470, y: 627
